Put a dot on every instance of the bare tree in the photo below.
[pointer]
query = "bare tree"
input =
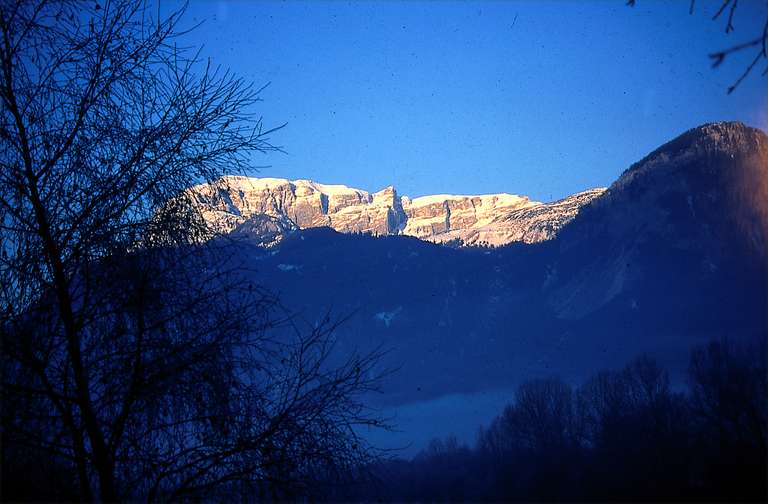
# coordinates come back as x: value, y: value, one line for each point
x: 133, y: 353
x: 728, y: 389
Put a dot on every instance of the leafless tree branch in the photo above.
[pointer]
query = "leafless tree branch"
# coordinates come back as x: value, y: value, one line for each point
x: 759, y: 43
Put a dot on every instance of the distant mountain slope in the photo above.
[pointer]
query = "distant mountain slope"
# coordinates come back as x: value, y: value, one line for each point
x: 494, y: 219
x: 673, y: 254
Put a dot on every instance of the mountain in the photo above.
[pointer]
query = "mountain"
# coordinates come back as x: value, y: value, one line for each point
x: 671, y: 255
x: 494, y: 219
x: 698, y: 204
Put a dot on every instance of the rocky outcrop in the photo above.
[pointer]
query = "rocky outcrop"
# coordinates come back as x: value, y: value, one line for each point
x: 492, y: 219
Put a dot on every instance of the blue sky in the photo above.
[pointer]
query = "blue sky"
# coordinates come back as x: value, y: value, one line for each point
x: 536, y: 98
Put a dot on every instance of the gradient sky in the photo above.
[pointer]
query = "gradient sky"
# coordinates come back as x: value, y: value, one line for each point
x: 535, y: 98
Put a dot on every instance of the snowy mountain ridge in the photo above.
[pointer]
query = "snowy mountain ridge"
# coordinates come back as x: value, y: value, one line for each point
x: 494, y: 219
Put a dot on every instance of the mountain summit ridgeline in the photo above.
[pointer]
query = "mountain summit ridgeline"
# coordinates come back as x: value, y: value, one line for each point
x: 275, y: 205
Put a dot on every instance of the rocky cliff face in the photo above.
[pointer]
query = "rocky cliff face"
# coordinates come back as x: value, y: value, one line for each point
x: 494, y: 219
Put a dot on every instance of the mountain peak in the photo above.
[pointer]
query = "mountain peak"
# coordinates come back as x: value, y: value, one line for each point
x: 723, y: 136
x: 719, y: 127
x: 704, y: 147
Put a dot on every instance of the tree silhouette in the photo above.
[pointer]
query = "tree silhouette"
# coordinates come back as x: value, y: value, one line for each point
x: 138, y: 357
x: 623, y: 435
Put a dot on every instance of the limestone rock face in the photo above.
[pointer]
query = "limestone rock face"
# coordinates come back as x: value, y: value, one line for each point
x: 492, y: 219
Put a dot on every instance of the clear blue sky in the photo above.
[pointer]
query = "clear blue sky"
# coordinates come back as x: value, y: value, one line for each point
x: 536, y: 98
